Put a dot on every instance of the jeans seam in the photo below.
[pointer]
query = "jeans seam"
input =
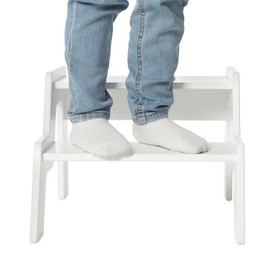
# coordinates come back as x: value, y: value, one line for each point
x: 152, y: 116
x: 89, y: 115
x: 139, y: 55
x: 69, y: 52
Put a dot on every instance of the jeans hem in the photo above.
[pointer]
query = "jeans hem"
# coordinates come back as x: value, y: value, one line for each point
x: 88, y: 116
x: 150, y: 117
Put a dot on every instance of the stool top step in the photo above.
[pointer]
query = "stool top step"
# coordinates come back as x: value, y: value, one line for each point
x: 180, y: 82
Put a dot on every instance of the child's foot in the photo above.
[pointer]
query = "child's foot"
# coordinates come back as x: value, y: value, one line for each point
x: 99, y: 138
x: 166, y: 133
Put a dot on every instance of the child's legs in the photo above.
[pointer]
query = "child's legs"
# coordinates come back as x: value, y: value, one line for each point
x: 88, y: 34
x: 157, y: 27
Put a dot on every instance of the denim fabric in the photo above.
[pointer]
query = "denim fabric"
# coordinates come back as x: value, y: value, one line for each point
x: 157, y: 27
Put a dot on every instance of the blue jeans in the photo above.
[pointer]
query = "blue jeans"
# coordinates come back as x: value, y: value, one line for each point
x: 157, y: 27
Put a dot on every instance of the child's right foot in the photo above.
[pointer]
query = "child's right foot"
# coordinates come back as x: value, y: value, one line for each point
x: 99, y: 138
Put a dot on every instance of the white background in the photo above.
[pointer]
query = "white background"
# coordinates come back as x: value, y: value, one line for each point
x: 135, y: 211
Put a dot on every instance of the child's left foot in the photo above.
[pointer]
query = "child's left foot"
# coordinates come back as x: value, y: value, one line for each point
x: 164, y: 132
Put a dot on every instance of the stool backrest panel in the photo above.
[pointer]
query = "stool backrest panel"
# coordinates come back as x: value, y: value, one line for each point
x: 200, y: 104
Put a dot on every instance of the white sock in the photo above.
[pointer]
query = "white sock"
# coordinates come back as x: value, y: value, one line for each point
x: 164, y: 132
x: 99, y: 138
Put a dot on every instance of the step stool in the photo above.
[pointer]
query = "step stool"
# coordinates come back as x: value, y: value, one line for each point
x: 196, y: 98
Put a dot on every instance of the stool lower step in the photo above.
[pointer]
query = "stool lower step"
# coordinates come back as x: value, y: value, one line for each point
x: 65, y: 151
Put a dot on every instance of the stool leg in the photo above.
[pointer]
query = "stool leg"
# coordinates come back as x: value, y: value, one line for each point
x: 62, y: 135
x: 228, y: 180
x: 40, y: 170
x: 228, y: 165
x: 62, y: 180
x: 239, y: 200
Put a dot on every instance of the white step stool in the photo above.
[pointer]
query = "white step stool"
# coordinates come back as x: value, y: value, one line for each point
x: 195, y: 98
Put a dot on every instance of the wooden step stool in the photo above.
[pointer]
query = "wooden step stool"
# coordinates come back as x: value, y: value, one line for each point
x: 195, y: 98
